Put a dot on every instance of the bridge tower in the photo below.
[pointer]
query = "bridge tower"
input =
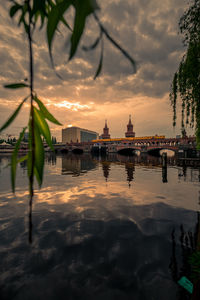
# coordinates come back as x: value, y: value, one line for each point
x: 130, y: 132
x: 105, y: 134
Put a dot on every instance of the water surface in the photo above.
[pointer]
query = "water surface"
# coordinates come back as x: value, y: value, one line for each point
x: 103, y: 228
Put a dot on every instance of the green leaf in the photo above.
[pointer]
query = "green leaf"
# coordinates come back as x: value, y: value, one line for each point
x: 22, y: 18
x: 18, y: 161
x: 39, y: 9
x: 122, y: 50
x: 94, y: 45
x: 42, y: 17
x: 13, y: 116
x: 45, y: 112
x: 29, y: 162
x: 100, y: 62
x: 38, y: 6
x: 54, y: 17
x: 83, y: 9
x: 22, y: 159
x: 36, y: 16
x: 43, y: 126
x: 14, y: 159
x: 37, y: 176
x: 16, y: 85
x: 65, y: 23
x: 39, y: 155
x: 14, y: 9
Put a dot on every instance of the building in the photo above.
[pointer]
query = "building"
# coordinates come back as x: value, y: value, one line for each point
x: 76, y: 134
x: 105, y: 134
x: 129, y: 132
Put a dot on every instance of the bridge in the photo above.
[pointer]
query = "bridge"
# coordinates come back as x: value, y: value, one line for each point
x: 150, y: 144
x: 76, y: 148
x: 129, y: 145
x: 143, y: 148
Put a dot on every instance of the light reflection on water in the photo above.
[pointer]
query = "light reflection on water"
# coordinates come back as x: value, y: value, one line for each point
x: 102, y: 227
x: 170, y: 153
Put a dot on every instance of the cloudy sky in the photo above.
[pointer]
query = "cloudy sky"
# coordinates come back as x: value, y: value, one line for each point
x: 147, y: 29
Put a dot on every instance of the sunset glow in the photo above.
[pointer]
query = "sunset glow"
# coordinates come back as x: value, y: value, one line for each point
x: 153, y: 42
x: 73, y: 106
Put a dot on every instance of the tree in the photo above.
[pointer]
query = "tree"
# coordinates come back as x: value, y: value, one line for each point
x: 186, y: 81
x: 49, y: 13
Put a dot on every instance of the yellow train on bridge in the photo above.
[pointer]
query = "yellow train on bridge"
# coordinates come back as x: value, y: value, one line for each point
x: 129, y: 139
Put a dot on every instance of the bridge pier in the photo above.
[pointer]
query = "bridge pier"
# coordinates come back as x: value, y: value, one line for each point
x: 164, y: 160
x: 164, y: 167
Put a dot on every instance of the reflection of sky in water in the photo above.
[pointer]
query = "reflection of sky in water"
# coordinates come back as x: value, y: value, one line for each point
x: 101, y: 229
x: 136, y: 184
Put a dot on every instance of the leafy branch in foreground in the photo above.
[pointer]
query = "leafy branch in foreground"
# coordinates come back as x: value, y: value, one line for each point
x: 186, y: 81
x: 49, y: 13
x: 13, y: 116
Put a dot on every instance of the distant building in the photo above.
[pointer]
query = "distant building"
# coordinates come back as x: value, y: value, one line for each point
x: 76, y: 134
x: 105, y: 134
x: 130, y: 132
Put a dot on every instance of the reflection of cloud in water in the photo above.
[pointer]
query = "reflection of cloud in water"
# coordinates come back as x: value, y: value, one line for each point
x: 143, y: 190
x: 95, y: 238
x: 76, y: 254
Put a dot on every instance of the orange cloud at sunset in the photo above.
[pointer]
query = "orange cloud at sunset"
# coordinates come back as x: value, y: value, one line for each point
x: 148, y: 30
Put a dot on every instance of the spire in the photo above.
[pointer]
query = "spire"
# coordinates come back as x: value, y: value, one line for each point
x: 130, y: 132
x: 105, y: 134
x: 106, y: 124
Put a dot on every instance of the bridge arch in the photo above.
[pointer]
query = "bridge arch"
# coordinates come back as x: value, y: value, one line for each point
x: 63, y: 151
x: 156, y: 151
x: 77, y: 150
x: 128, y: 151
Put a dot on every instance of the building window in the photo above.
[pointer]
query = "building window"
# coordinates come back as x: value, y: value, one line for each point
x: 87, y: 136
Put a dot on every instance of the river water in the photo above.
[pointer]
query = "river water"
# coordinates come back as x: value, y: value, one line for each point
x: 102, y: 228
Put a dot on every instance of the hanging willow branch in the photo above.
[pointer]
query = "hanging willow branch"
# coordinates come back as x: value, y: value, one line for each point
x: 186, y: 81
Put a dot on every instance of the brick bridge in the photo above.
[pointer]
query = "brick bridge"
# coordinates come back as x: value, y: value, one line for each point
x: 154, y: 144
x: 141, y: 144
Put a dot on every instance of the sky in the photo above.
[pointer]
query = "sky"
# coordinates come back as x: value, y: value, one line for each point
x: 147, y: 29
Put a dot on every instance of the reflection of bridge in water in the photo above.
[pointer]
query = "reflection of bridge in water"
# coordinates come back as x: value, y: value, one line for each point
x: 184, y: 173
x: 77, y: 165
x: 72, y: 164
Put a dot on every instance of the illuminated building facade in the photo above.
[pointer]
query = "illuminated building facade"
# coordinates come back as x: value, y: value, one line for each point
x: 76, y: 134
